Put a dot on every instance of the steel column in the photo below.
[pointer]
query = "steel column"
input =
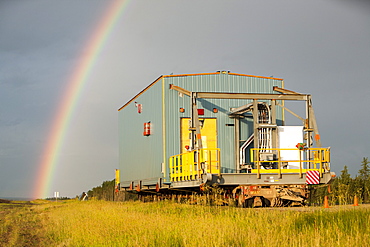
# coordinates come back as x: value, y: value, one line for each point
x: 237, y: 143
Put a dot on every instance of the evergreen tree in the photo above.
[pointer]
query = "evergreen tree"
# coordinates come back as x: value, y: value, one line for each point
x: 343, y: 190
x: 364, y: 180
x: 345, y: 177
x: 364, y: 173
x: 103, y: 192
x: 358, y: 188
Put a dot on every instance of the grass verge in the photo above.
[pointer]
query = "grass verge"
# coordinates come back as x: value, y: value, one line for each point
x: 100, y: 223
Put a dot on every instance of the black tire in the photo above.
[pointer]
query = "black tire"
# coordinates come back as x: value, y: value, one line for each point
x: 265, y: 202
x: 249, y: 203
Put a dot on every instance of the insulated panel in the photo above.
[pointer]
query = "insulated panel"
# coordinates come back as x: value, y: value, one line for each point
x: 289, y: 136
x: 145, y: 157
x: 140, y: 156
x: 223, y: 82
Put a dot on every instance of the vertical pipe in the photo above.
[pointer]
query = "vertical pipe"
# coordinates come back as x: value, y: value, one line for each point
x: 308, y: 126
x: 209, y: 160
x: 170, y: 168
x: 237, y: 144
x: 195, y: 123
x: 194, y: 161
x: 256, y: 134
x: 218, y: 154
x: 255, y: 124
x: 300, y: 163
x: 192, y: 121
x: 164, y: 145
x: 283, y: 104
x: 258, y: 164
x: 279, y: 162
x: 273, y: 121
x: 320, y: 157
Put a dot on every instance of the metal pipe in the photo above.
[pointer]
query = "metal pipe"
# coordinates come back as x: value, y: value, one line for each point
x: 237, y: 143
x: 300, y: 163
x: 256, y: 134
x: 243, y: 147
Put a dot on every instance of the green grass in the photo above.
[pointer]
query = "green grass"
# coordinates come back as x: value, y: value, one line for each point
x: 100, y: 223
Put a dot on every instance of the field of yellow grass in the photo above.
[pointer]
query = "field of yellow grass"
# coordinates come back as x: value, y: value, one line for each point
x: 101, y: 223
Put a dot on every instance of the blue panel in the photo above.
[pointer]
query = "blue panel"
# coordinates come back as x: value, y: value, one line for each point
x: 226, y: 83
x: 141, y: 156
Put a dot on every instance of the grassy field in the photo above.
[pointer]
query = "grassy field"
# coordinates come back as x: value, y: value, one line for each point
x: 100, y: 223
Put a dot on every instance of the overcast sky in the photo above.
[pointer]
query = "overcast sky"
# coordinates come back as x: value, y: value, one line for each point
x: 317, y: 47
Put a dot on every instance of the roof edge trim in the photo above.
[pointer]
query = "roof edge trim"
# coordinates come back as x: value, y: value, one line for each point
x: 257, y: 76
x: 180, y: 75
x: 142, y: 91
x: 214, y: 73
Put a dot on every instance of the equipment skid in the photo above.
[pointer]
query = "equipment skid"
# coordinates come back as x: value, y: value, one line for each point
x: 220, y: 138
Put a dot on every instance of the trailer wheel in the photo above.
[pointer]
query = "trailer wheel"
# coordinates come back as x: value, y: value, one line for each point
x: 249, y: 203
x: 265, y: 202
x: 276, y: 202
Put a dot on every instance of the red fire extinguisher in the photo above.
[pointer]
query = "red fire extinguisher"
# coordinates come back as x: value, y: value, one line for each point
x: 147, y: 129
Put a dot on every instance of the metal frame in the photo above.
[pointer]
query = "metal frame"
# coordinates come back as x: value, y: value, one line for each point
x: 310, y: 124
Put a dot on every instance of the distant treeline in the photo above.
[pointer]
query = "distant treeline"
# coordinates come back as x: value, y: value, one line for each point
x: 103, y: 192
x: 59, y: 198
x: 344, y: 188
x: 341, y: 191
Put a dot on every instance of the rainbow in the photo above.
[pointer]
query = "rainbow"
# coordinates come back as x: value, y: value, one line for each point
x: 76, y: 82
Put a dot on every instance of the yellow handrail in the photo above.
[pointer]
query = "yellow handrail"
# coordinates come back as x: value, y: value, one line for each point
x: 191, y: 165
x: 309, y: 159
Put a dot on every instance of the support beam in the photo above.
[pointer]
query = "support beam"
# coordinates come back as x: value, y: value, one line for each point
x: 314, y: 126
x: 299, y: 97
x: 237, y: 143
x: 195, y: 125
x: 273, y: 122
x: 291, y: 112
x: 180, y: 90
x: 256, y: 136
x: 285, y: 91
x: 215, y: 95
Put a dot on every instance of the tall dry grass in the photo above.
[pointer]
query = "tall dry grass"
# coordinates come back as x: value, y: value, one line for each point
x: 21, y: 225
x: 100, y: 223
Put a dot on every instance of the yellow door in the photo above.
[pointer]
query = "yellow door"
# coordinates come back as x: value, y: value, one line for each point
x: 209, y: 155
x: 208, y: 131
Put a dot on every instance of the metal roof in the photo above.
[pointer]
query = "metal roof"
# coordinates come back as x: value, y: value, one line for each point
x: 182, y: 75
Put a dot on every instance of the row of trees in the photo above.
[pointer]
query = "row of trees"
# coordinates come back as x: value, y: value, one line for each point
x: 59, y: 198
x: 344, y: 188
x: 103, y: 192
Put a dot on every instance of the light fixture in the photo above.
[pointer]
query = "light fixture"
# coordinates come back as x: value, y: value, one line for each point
x: 201, y: 112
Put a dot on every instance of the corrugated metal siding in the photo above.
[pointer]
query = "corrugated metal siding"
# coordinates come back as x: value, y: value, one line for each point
x: 213, y: 83
x: 140, y: 157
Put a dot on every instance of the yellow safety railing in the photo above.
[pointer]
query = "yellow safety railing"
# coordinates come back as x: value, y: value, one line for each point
x: 191, y: 165
x: 309, y: 159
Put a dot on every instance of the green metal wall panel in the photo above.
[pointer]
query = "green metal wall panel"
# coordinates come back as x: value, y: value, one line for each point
x: 214, y: 83
x: 141, y: 157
